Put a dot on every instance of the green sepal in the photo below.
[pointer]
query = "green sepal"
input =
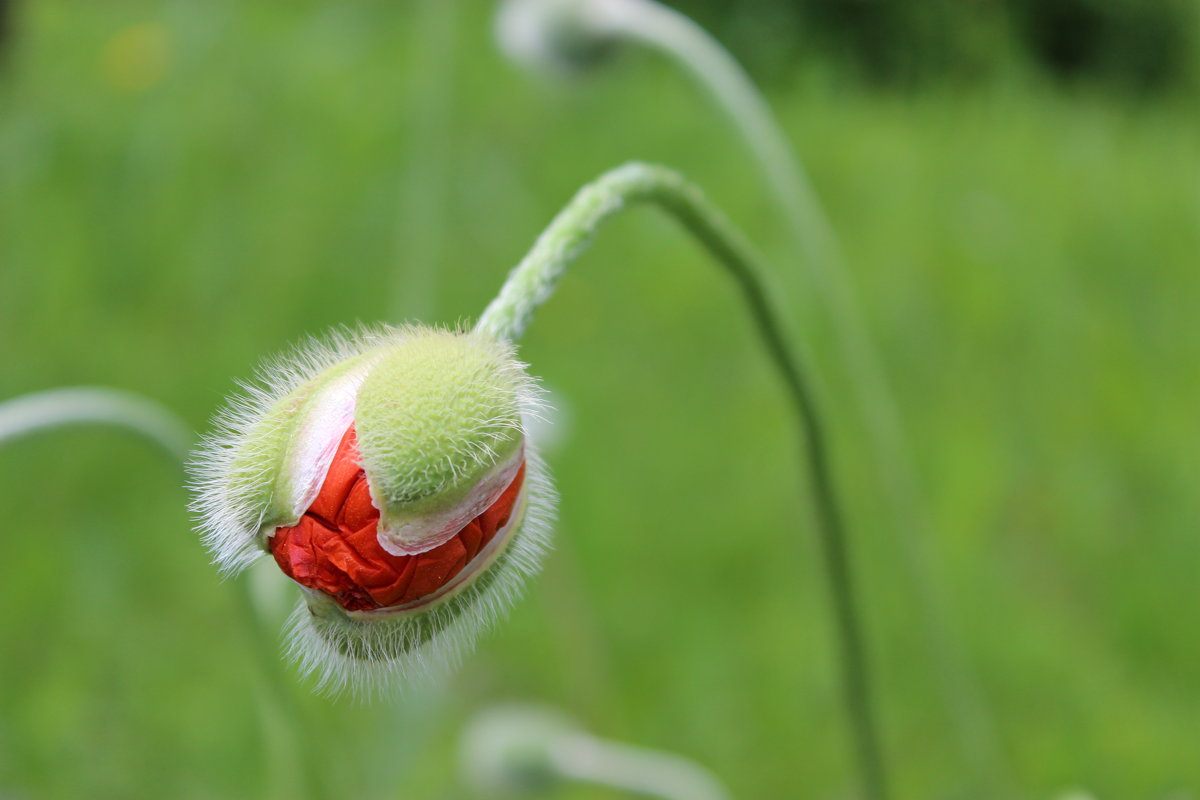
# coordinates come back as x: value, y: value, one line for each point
x: 436, y: 414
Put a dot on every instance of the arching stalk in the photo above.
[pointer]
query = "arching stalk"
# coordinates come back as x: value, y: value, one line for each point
x: 572, y: 30
x: 533, y: 280
x: 509, y: 749
x: 94, y: 405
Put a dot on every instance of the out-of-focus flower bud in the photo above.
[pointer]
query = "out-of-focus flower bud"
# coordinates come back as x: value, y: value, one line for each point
x: 562, y: 36
x: 390, y: 476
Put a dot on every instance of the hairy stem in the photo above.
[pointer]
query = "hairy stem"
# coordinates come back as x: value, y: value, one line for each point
x: 534, y: 279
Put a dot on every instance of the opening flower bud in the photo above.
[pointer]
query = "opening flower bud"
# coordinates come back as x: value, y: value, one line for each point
x: 390, y: 476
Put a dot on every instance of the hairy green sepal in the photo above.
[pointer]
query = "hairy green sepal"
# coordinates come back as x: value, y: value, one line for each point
x: 268, y: 473
x: 436, y: 414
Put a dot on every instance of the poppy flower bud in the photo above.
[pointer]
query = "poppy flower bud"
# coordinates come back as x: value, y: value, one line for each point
x: 562, y: 36
x: 390, y: 476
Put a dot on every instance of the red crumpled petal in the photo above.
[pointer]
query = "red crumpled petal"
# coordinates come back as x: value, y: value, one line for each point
x: 334, y: 548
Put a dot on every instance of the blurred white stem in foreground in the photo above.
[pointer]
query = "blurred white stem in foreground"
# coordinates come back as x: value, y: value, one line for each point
x: 57, y: 408
x: 516, y: 750
x: 634, y: 769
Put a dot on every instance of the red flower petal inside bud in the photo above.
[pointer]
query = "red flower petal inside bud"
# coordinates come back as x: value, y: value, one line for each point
x: 335, y: 548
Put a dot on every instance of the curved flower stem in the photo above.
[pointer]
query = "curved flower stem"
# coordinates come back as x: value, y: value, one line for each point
x: 95, y: 405
x: 677, y: 37
x: 524, y: 746
x: 581, y: 757
x: 534, y: 279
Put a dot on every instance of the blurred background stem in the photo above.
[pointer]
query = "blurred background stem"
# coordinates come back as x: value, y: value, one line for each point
x: 632, y: 769
x: 678, y: 37
x: 53, y: 409
x: 95, y: 405
x: 519, y: 750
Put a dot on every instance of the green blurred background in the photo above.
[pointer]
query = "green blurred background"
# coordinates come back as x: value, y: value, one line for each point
x: 186, y: 188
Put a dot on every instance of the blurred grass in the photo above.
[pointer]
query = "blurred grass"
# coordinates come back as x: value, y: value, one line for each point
x: 186, y: 188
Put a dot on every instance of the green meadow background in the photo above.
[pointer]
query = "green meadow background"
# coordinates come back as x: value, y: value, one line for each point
x: 186, y: 188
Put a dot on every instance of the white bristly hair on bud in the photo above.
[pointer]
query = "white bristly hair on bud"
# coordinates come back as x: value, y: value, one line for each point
x: 423, y: 441
x: 228, y: 518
